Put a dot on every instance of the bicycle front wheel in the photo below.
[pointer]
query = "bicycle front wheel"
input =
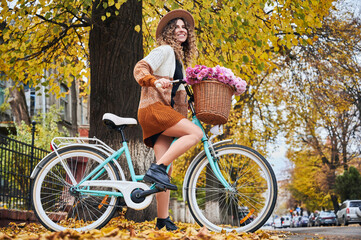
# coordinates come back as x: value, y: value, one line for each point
x: 58, y: 205
x: 250, y: 198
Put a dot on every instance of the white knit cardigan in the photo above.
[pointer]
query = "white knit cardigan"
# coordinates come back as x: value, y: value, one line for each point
x: 159, y: 63
x: 155, y: 113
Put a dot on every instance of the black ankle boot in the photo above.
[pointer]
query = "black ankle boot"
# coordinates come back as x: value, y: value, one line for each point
x: 158, y: 174
x: 166, y: 222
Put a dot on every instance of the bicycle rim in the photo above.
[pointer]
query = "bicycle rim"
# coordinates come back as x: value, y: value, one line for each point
x: 243, y: 208
x: 58, y: 207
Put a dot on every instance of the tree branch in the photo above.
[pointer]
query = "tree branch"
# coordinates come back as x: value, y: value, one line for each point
x: 265, y: 21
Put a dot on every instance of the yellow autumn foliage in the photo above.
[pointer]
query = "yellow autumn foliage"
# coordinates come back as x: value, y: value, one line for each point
x: 244, y: 36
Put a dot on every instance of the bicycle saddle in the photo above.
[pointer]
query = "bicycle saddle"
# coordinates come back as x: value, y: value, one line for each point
x: 115, y: 121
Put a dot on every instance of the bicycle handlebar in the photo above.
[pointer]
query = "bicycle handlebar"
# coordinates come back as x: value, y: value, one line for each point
x: 188, y: 90
x: 158, y: 85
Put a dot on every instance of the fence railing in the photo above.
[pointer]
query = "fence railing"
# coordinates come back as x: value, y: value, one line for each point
x: 17, y: 160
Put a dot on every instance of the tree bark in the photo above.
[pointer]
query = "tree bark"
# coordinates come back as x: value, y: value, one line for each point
x: 18, y: 106
x: 334, y: 200
x: 74, y: 107
x: 115, y: 47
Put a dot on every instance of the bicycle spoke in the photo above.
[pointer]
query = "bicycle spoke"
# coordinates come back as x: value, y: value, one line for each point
x: 245, y: 205
x: 88, y: 210
x: 61, y: 206
x: 57, y: 177
x: 55, y: 183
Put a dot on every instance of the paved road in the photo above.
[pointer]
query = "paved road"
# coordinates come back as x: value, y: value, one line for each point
x: 352, y: 232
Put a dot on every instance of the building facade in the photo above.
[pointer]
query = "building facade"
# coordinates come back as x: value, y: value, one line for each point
x: 74, y: 109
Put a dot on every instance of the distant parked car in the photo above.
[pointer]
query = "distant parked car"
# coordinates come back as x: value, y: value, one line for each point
x: 295, y: 221
x: 299, y: 221
x: 303, y: 221
x: 350, y: 212
x: 286, y: 221
x: 325, y: 218
x: 282, y: 222
x: 312, y: 219
x: 277, y: 223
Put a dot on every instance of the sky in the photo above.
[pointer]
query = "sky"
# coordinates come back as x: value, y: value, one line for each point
x: 353, y: 6
x: 280, y: 164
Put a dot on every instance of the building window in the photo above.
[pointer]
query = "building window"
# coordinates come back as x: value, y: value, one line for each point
x: 32, y: 102
x: 65, y: 104
x: 30, y: 99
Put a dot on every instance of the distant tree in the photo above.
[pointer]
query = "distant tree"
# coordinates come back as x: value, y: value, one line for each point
x: 348, y: 185
x: 307, y: 181
x: 321, y: 93
x: 46, y: 129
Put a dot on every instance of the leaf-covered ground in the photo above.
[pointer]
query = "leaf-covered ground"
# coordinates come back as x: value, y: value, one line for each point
x: 120, y: 228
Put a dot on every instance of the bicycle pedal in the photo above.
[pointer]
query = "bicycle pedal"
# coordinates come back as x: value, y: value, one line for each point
x: 160, y: 187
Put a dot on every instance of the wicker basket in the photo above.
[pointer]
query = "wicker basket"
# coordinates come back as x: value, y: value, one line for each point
x: 212, y: 101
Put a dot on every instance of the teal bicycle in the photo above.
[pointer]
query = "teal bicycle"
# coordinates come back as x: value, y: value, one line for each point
x: 80, y: 185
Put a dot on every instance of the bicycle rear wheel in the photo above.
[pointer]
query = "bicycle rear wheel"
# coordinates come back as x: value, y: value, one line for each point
x: 243, y: 208
x: 58, y: 206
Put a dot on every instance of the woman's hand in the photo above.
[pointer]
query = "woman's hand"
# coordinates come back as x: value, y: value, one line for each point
x: 163, y: 83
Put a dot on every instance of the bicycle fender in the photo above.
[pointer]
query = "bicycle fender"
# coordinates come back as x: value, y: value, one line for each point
x: 42, y: 162
x: 193, y: 163
x: 39, y: 166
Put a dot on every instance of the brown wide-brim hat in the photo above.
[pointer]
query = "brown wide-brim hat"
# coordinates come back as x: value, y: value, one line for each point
x: 178, y: 13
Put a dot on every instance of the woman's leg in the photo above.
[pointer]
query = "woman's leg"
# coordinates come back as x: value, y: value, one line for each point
x: 160, y: 147
x: 188, y: 135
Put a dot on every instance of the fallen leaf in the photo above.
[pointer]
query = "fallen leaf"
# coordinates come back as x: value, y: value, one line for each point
x: 4, y: 236
x: 204, y: 233
x: 132, y: 232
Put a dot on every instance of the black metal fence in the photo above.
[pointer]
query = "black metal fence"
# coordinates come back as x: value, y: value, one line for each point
x: 17, y: 160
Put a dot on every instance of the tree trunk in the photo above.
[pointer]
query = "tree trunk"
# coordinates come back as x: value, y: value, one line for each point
x: 334, y: 200
x: 115, y: 47
x: 74, y: 108
x: 18, y: 106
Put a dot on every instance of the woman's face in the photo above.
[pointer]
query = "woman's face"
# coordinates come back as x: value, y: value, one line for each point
x: 181, y: 33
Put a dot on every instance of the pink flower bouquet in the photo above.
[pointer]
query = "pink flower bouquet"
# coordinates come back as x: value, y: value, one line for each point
x: 222, y: 74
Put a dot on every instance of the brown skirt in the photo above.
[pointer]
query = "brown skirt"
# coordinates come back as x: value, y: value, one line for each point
x: 155, y: 119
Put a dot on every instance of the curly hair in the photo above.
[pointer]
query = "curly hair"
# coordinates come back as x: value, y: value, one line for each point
x: 187, y: 50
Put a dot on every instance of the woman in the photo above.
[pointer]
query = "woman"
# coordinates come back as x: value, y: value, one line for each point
x: 162, y: 111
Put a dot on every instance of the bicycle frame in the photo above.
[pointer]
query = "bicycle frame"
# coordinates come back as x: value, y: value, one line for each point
x: 135, y: 178
x: 124, y: 149
x: 213, y: 162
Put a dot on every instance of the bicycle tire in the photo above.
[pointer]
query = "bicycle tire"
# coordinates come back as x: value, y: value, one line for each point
x: 250, y: 203
x: 58, y: 209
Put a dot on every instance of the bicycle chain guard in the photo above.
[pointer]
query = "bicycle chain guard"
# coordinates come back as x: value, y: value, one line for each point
x: 126, y: 188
